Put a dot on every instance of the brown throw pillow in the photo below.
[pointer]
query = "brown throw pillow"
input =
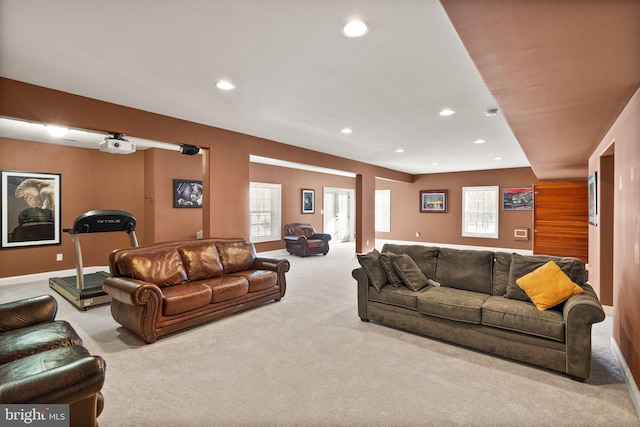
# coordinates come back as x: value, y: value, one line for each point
x: 371, y: 265
x: 385, y: 261
x: 409, y: 272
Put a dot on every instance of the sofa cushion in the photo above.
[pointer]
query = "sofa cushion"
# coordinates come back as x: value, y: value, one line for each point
x: 236, y: 255
x: 469, y: 270
x: 409, y: 272
x: 390, y: 271
x: 35, y: 364
x: 452, y: 304
x: 548, y: 286
x: 22, y: 342
x: 161, y: 266
x: 524, y: 264
x: 400, y: 296
x: 227, y: 287
x: 501, y: 267
x: 523, y: 317
x: 370, y: 263
x: 425, y: 257
x: 258, y: 279
x: 201, y: 260
x: 181, y: 298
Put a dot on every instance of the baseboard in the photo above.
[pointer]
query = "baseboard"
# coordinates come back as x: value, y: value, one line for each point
x: 626, y: 373
x: 14, y: 280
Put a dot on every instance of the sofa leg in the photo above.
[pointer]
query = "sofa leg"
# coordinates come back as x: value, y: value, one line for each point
x: 364, y: 319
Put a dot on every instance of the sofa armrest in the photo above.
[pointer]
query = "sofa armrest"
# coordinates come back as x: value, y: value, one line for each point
x: 295, y: 238
x: 580, y: 312
x: 131, y: 291
x: 67, y: 384
x: 27, y: 312
x: 280, y: 266
x: 363, y: 292
x: 322, y: 236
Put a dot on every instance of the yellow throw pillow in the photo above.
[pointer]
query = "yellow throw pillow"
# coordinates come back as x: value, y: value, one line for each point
x: 548, y: 286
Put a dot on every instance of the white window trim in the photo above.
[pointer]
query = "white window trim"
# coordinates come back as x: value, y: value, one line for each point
x: 496, y: 207
x: 386, y: 226
x: 276, y: 227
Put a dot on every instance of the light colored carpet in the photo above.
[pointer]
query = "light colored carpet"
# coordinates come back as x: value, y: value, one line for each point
x: 308, y: 360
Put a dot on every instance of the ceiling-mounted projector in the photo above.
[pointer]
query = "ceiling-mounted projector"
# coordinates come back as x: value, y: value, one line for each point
x: 116, y: 143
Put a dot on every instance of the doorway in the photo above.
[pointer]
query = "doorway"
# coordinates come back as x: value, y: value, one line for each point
x: 606, y: 223
x: 339, y: 209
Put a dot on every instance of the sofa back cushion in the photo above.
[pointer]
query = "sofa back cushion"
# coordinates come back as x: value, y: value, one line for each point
x: 425, y: 257
x: 236, y: 255
x: 160, y: 265
x: 298, y: 229
x: 201, y: 260
x: 524, y: 264
x: 469, y: 270
x: 501, y: 268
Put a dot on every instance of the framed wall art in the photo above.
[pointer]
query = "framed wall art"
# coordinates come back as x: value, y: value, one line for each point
x: 434, y: 201
x: 592, y: 185
x: 187, y: 193
x: 517, y: 199
x: 30, y: 209
x: 308, y: 201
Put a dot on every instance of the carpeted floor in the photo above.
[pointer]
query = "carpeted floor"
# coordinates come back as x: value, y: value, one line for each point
x: 308, y: 360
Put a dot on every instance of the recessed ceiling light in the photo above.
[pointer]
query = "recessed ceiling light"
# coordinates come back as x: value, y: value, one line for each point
x: 491, y: 112
x: 225, y: 85
x: 447, y: 112
x: 57, y: 131
x: 497, y: 158
x: 400, y: 150
x: 346, y: 131
x: 479, y: 141
x: 355, y: 28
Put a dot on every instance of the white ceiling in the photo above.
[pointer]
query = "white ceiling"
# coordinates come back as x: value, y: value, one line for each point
x: 298, y: 80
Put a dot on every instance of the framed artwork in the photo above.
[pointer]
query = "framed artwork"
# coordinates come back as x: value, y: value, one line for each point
x: 593, y: 198
x: 308, y: 201
x: 187, y: 193
x: 517, y: 199
x: 30, y: 209
x: 434, y: 201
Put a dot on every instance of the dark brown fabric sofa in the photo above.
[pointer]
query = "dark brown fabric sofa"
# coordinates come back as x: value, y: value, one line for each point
x: 42, y: 361
x: 302, y: 240
x: 163, y: 288
x: 471, y: 298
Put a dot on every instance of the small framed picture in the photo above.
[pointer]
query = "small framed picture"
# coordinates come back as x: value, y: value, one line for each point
x: 30, y: 209
x: 593, y: 198
x: 187, y: 193
x: 308, y: 201
x: 517, y: 199
x: 433, y: 201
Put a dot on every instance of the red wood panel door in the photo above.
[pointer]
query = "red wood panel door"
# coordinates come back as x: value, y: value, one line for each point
x: 560, y: 219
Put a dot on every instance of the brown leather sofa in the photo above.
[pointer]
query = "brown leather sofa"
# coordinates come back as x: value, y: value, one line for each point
x: 163, y: 288
x: 302, y: 240
x: 42, y: 361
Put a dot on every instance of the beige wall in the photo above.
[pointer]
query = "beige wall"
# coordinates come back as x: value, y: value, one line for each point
x: 623, y: 142
x: 406, y: 220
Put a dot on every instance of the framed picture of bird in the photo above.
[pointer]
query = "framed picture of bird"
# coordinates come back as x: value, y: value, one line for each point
x: 30, y: 209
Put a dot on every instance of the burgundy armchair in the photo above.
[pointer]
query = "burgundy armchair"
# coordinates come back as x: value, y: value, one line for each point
x: 302, y: 240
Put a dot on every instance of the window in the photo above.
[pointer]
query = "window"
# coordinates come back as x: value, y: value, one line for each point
x: 383, y: 210
x: 265, y: 208
x: 480, y: 212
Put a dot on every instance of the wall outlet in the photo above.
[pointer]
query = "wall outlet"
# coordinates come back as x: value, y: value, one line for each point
x: 417, y: 234
x: 58, y: 257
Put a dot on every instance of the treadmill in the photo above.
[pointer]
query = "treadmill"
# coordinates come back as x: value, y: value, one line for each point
x: 85, y: 290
